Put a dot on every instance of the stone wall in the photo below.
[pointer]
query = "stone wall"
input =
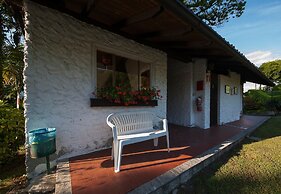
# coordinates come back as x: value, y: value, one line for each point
x: 60, y: 76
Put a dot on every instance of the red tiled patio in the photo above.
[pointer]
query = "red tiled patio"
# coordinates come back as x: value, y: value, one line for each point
x: 142, y: 162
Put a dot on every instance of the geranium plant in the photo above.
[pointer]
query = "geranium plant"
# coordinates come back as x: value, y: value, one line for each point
x: 123, y: 94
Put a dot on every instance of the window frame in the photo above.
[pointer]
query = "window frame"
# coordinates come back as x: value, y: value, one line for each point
x: 120, y: 54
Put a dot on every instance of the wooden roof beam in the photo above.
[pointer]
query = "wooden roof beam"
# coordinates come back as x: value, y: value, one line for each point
x: 186, y: 44
x: 178, y: 32
x: 200, y: 53
x: 148, y: 14
x: 223, y: 60
x: 88, y: 8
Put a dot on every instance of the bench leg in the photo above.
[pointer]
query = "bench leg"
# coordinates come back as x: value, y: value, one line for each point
x: 112, y: 151
x: 115, y: 152
x: 155, y: 141
x: 168, y: 141
x: 119, y: 157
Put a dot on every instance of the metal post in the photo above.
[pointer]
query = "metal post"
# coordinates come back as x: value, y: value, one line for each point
x: 48, y: 165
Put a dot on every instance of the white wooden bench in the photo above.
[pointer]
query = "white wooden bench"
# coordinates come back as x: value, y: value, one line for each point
x: 133, y: 127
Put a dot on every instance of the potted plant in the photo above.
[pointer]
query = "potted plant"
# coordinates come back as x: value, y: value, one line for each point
x: 123, y: 95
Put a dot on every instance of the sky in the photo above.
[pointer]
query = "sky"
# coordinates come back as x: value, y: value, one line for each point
x: 257, y: 33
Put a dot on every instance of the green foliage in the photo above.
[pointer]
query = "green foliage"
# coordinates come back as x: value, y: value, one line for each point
x: 13, y: 72
x: 263, y: 100
x: 11, y: 53
x: 272, y: 70
x: 11, y: 131
x: 277, y: 88
x: 274, y: 105
x: 251, y: 104
x: 259, y: 96
x: 215, y: 12
x: 123, y: 94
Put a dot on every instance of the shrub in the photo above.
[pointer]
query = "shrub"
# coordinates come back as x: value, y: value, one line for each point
x: 263, y: 100
x: 274, y: 105
x: 277, y: 88
x: 251, y: 104
x: 11, y: 131
x: 260, y: 96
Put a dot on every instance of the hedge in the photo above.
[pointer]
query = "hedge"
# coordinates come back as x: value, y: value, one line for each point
x: 11, y: 131
x: 263, y: 100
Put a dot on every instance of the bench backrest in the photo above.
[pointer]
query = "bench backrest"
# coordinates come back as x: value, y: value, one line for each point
x: 132, y: 122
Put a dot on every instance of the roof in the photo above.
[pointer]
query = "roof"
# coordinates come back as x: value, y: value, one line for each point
x: 167, y: 25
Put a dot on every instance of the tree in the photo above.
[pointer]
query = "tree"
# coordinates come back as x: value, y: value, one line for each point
x: 11, y: 53
x: 13, y: 72
x: 216, y: 12
x: 272, y: 70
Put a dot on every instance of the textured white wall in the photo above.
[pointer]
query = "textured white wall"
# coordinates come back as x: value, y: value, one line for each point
x: 179, y: 92
x: 230, y: 106
x: 201, y: 119
x: 60, y: 75
x: 182, y: 93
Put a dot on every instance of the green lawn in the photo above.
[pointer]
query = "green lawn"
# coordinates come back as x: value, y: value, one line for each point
x: 254, y: 167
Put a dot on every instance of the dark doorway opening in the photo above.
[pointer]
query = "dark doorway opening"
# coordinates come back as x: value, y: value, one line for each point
x: 214, y: 100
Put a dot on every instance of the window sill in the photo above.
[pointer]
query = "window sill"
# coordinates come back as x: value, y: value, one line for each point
x: 102, y: 102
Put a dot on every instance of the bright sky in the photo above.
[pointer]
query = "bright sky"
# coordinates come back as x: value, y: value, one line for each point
x: 257, y: 33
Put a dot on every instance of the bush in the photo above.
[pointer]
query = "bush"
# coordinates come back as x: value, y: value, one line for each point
x: 259, y: 96
x: 11, y: 131
x: 256, y: 100
x: 275, y: 105
x: 263, y: 100
x: 251, y: 104
x: 277, y: 88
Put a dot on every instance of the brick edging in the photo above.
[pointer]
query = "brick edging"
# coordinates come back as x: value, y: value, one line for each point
x: 168, y: 181
x: 63, y: 178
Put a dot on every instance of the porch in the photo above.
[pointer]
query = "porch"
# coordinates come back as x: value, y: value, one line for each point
x: 191, y: 150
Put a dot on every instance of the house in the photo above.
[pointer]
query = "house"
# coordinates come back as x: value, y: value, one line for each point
x: 74, y: 47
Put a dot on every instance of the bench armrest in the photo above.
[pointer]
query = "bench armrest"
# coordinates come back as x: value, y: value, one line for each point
x: 113, y: 127
x: 164, y: 122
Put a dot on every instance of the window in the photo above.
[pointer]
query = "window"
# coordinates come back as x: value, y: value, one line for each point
x: 227, y: 89
x: 113, y: 70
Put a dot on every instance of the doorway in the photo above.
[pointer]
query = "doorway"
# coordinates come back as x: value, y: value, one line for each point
x: 214, y: 100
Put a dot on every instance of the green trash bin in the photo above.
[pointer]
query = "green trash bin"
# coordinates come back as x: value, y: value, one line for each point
x: 42, y: 143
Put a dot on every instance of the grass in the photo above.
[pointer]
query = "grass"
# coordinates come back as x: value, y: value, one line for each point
x: 254, y: 167
x: 12, y: 174
x: 271, y: 128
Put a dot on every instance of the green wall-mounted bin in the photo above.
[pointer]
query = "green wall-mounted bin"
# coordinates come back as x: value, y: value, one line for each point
x: 42, y: 143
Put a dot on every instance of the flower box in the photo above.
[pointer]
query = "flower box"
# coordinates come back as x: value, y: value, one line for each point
x: 96, y: 102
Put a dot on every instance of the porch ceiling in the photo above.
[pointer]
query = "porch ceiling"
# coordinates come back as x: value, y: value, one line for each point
x: 163, y: 24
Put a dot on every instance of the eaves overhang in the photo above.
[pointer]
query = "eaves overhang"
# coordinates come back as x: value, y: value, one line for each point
x: 167, y: 25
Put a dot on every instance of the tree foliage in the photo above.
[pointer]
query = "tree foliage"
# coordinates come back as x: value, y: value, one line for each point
x: 11, y: 55
x: 263, y: 100
x: 272, y: 70
x: 216, y: 12
x: 11, y: 131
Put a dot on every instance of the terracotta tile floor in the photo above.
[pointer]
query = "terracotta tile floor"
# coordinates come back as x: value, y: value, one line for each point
x: 141, y: 162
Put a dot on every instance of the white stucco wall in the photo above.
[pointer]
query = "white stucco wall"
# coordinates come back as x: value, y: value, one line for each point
x: 182, y: 93
x: 179, y: 92
x: 60, y: 76
x: 230, y: 105
x: 201, y: 119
